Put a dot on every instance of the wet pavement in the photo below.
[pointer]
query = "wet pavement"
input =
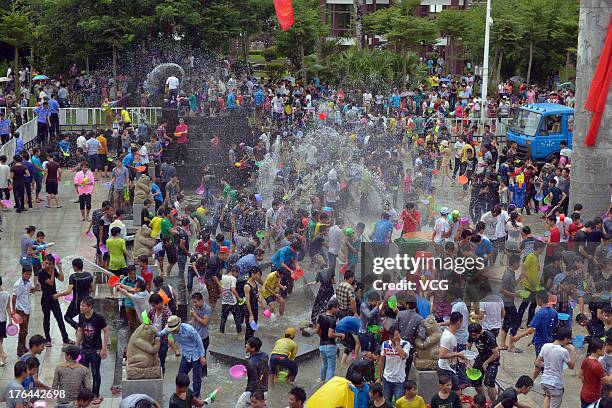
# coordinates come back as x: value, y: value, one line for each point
x: 63, y: 227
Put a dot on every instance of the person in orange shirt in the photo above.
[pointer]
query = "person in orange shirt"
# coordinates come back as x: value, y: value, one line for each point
x: 102, y: 168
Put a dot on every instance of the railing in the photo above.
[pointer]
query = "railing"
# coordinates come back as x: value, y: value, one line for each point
x: 96, y: 116
x: 27, y: 133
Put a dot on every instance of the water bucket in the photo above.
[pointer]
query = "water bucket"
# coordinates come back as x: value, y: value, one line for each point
x: 463, y: 180
x: 253, y: 325
x: 113, y: 281
x: 523, y: 293
x: 282, y: 376
x: 12, y: 329
x: 578, y: 341
x: 564, y: 316
x: 267, y: 313
x: 237, y: 372
x: 473, y: 374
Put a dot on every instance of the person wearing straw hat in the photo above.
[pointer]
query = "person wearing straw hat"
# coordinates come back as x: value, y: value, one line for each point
x: 193, y: 357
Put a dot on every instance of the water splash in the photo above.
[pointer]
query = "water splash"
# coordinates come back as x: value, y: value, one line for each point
x: 159, y: 74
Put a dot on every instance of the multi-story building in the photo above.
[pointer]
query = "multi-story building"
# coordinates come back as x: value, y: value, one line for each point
x: 339, y: 15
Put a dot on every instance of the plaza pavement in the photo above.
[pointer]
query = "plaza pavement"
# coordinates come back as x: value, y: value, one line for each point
x: 63, y: 227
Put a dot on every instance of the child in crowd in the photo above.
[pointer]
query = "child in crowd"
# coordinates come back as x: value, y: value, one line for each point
x: 410, y: 398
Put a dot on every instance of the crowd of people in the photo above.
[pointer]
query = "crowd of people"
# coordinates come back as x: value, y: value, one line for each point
x: 402, y: 148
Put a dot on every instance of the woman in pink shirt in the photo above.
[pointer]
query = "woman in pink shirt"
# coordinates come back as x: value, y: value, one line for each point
x: 84, y: 184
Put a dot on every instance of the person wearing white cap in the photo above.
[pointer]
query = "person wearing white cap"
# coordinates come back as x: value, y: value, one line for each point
x: 191, y: 345
x: 442, y: 229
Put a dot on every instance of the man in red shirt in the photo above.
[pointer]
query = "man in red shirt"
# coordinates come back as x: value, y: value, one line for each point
x: 180, y: 132
x: 572, y: 230
x: 411, y: 217
x: 553, y: 240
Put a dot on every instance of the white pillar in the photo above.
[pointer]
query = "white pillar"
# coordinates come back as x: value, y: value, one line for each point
x: 485, y: 63
x: 591, y: 172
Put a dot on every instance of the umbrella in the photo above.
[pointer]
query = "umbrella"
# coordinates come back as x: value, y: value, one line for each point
x: 404, y: 94
x: 40, y: 78
x: 444, y: 80
x: 5, y: 79
x: 516, y: 78
x: 289, y: 78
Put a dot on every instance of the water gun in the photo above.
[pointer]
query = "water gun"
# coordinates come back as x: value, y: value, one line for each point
x: 212, y: 396
x: 43, y: 246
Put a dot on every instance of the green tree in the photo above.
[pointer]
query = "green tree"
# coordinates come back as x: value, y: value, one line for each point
x: 402, y: 28
x: 302, y: 38
x: 16, y: 30
x: 109, y: 24
x: 565, y: 34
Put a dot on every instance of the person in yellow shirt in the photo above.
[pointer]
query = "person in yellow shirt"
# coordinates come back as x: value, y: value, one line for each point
x: 464, y: 152
x: 410, y: 398
x: 271, y: 292
x: 125, y: 118
x: 530, y: 280
x: 102, y: 157
x: 283, y: 355
x: 155, y: 225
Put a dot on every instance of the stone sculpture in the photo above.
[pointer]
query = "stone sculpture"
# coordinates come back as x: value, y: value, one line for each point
x: 426, y: 357
x: 142, y: 354
x: 142, y: 189
x: 143, y: 243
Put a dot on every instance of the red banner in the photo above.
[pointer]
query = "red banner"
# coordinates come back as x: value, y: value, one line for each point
x: 284, y: 13
x: 598, y: 93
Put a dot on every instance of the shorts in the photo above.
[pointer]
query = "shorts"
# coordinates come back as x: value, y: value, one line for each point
x: 92, y: 160
x: 555, y: 394
x: 489, y: 376
x: 214, y: 292
x: 171, y: 254
x: 85, y: 201
x: 51, y: 187
x: 2, y: 330
x: 270, y: 299
x: 119, y: 272
x: 102, y: 161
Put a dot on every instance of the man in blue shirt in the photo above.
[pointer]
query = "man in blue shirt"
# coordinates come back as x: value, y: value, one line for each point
x: 42, y: 120
x: 38, y: 171
x: 259, y: 97
x: 250, y: 261
x: 54, y: 116
x: 157, y: 195
x: 18, y: 144
x: 285, y: 262
x: 231, y: 100
x: 381, y: 236
x: 193, y: 356
x: 542, y: 326
x: 128, y: 160
x: 5, y: 126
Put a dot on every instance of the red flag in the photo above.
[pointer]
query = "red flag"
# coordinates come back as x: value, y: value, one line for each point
x: 284, y: 13
x: 598, y: 93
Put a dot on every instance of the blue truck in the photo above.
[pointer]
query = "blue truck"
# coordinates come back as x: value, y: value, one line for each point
x: 539, y: 128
